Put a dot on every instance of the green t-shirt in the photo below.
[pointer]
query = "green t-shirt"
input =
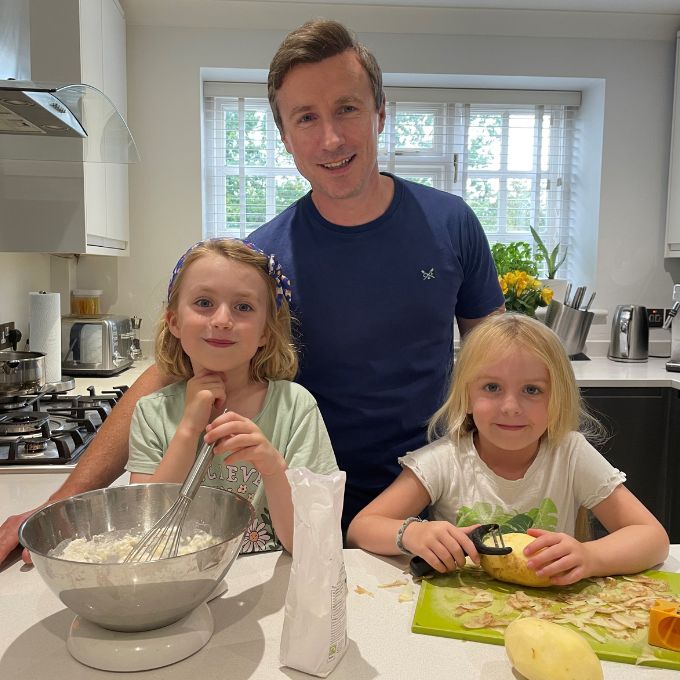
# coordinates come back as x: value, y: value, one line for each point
x: 290, y: 419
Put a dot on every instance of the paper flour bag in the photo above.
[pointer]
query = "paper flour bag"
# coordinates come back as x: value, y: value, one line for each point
x: 314, y: 636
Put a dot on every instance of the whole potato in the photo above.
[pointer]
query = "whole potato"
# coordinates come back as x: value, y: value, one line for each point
x: 541, y: 650
x: 512, y: 568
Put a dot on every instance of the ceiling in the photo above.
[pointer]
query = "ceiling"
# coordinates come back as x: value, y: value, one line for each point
x: 635, y: 6
x: 594, y: 19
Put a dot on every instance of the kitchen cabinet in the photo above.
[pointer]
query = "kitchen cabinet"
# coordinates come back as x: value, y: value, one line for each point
x: 673, y: 480
x: 639, y: 423
x: 71, y: 206
x: 673, y: 209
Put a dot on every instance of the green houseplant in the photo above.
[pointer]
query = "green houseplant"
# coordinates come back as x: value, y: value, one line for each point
x: 514, y: 256
x: 551, y: 260
x: 517, y: 269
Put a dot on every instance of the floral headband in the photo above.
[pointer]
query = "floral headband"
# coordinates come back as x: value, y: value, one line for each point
x: 283, y: 287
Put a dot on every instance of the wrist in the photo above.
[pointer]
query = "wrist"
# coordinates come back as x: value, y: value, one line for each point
x: 399, y: 539
x: 592, y: 562
x: 187, y: 431
x: 277, y: 466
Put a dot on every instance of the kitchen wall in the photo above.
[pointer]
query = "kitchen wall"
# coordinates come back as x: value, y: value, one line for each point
x: 169, y: 43
x: 21, y: 274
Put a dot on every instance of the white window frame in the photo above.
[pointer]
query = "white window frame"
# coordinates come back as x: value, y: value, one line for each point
x: 446, y: 163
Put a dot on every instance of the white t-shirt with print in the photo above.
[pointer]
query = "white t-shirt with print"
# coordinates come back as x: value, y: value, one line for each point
x: 464, y: 490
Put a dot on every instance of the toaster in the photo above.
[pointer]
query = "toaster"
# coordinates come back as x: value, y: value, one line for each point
x: 95, y: 345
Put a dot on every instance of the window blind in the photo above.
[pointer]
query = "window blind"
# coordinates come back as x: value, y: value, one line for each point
x: 508, y: 153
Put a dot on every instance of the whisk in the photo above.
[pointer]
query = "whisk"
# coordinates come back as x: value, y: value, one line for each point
x: 162, y: 540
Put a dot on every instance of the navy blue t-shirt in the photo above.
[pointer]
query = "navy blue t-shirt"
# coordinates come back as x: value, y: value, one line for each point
x: 375, y: 305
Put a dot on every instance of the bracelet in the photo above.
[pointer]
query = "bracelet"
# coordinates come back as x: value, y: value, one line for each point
x: 400, y: 534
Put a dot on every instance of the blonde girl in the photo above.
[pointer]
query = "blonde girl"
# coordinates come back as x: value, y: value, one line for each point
x: 225, y: 336
x: 510, y: 452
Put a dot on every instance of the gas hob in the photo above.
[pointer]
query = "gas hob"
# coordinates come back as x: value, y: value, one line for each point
x: 42, y: 432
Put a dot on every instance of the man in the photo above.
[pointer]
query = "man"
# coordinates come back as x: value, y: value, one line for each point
x: 379, y: 266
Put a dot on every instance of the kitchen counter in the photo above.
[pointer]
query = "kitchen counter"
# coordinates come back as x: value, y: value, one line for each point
x: 126, y: 377
x: 248, y: 621
x: 597, y: 372
x: 602, y: 372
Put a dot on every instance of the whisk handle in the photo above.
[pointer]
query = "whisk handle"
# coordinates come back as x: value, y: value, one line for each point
x: 197, y: 472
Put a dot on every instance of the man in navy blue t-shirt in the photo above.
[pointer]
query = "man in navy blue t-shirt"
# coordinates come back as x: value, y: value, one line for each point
x: 380, y: 266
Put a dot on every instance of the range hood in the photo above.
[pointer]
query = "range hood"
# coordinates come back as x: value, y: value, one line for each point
x: 50, y: 121
x: 47, y: 121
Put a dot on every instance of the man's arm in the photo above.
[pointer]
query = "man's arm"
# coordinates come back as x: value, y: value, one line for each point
x: 103, y: 461
x: 466, y: 325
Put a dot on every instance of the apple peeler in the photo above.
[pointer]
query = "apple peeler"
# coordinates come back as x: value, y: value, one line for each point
x: 419, y: 567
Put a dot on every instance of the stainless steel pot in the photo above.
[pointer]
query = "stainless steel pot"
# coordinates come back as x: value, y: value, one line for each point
x: 21, y: 372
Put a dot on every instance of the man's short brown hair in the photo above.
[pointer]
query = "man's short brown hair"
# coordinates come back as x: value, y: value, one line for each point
x: 311, y: 43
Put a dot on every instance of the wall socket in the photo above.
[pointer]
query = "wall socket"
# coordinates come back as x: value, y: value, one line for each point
x: 656, y: 316
x: 5, y: 328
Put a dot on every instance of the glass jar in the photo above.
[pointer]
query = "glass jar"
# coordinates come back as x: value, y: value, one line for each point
x: 86, y: 302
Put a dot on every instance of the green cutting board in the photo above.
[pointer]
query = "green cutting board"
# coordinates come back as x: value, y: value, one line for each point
x: 441, y: 595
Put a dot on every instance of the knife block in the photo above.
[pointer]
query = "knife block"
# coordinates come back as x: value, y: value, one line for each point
x: 571, y: 325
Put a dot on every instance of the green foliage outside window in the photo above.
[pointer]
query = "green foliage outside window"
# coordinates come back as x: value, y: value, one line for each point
x: 500, y: 180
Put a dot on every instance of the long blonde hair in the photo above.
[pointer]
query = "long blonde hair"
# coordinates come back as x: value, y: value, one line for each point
x: 497, y: 337
x: 275, y: 360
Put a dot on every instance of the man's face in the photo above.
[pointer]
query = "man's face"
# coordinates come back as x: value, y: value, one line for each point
x: 331, y: 127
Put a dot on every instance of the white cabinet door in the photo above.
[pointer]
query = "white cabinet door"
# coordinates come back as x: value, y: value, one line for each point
x: 94, y: 178
x: 113, y: 55
x: 673, y: 210
x: 117, y: 209
x: 91, y: 56
x: 102, y: 31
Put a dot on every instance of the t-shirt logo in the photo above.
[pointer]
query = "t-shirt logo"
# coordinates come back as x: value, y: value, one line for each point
x: 427, y: 275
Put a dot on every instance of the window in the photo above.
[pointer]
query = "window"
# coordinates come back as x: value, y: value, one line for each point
x: 507, y: 153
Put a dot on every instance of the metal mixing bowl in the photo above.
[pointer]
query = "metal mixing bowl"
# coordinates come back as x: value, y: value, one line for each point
x: 142, y: 596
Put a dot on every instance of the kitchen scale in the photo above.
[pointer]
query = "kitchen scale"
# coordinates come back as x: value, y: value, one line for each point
x: 112, y: 650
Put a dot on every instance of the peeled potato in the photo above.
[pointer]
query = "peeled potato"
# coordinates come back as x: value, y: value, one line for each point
x: 513, y: 568
x: 541, y: 650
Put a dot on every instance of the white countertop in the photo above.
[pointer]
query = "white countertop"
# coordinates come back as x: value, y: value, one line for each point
x: 603, y: 372
x: 248, y: 621
x: 597, y: 372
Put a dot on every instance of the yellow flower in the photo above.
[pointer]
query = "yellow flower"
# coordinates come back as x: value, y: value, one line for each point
x: 523, y: 292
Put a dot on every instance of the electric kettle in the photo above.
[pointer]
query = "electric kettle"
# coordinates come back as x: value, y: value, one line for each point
x: 630, y: 334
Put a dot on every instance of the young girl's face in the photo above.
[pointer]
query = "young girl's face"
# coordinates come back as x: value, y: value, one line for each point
x: 221, y: 314
x: 509, y: 403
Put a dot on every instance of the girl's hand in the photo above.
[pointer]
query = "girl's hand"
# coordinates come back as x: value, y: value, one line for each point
x: 441, y: 544
x: 245, y: 442
x: 559, y: 556
x: 205, y: 393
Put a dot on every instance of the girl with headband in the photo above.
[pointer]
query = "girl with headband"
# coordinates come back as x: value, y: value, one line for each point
x: 226, y: 336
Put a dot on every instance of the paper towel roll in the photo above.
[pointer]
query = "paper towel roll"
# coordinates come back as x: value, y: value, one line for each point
x: 45, y: 331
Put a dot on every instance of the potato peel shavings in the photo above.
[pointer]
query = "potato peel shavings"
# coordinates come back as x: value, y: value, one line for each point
x: 406, y: 595
x: 601, y: 608
x: 360, y: 590
x: 393, y: 584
